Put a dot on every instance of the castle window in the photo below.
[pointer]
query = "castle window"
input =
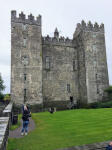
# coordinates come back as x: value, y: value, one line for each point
x: 24, y: 77
x: 97, y: 89
x: 24, y: 94
x: 96, y: 76
x: 68, y: 88
x: 47, y: 62
x: 74, y: 65
x: 24, y: 42
x: 95, y: 64
x: 24, y: 27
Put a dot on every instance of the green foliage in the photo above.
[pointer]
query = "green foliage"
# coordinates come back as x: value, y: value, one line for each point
x: 2, y: 87
x: 7, y: 97
x: 109, y: 90
x: 13, y: 127
x: 65, y: 129
x: 1, y: 97
x: 106, y: 104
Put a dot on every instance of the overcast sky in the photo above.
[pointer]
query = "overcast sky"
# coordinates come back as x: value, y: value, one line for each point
x: 63, y: 14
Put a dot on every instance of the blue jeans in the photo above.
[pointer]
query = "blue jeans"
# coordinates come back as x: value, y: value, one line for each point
x: 25, y: 126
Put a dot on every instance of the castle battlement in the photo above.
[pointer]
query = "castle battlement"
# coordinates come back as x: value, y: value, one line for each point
x: 89, y: 27
x: 57, y: 40
x: 22, y: 18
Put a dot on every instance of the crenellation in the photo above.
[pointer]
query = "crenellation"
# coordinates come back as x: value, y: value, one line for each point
x: 102, y: 27
x: 90, y: 25
x: 88, y: 28
x: 59, y: 41
x: 22, y: 18
x: 30, y: 17
x: 83, y: 24
x: 62, y: 39
x: 96, y: 27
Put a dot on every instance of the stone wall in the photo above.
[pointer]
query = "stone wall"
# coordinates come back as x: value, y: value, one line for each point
x: 5, y: 122
x: 26, y: 59
x: 92, y: 38
x: 81, y: 69
x: 60, y: 79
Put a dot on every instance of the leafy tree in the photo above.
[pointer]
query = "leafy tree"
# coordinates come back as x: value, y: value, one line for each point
x: 2, y: 87
x: 109, y: 89
x: 7, y: 97
x: 109, y: 92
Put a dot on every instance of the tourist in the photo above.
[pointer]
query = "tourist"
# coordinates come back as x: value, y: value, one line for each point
x: 25, y: 117
x: 109, y: 147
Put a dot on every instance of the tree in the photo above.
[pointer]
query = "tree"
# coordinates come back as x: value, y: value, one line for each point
x: 7, y: 97
x: 109, y: 92
x: 2, y: 87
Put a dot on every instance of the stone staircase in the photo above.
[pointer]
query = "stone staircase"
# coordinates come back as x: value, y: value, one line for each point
x: 5, y: 121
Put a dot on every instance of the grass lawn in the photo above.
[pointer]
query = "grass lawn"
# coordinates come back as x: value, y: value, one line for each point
x: 65, y: 129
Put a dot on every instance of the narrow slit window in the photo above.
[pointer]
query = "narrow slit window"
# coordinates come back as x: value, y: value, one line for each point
x: 74, y: 65
x: 97, y: 89
x: 68, y: 88
x: 24, y: 95
x: 24, y: 42
x: 24, y: 92
x: 24, y: 27
x: 96, y: 76
x: 47, y: 62
x: 24, y: 77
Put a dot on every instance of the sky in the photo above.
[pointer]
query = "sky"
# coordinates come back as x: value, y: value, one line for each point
x: 63, y: 14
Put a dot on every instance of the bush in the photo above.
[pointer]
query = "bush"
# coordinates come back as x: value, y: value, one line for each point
x: 1, y: 97
x: 107, y: 104
x: 109, y: 92
x: 7, y: 97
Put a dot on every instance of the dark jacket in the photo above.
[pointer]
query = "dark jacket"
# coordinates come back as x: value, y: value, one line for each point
x: 109, y: 147
x: 26, y: 115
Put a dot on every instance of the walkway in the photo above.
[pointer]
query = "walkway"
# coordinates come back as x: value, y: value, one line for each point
x: 17, y: 133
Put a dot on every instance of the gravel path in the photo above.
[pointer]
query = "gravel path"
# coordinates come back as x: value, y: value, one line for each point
x: 17, y: 133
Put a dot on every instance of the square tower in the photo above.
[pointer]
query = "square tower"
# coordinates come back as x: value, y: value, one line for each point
x: 26, y: 59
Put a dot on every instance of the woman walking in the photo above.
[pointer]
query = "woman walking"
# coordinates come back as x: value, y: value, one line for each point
x: 25, y: 118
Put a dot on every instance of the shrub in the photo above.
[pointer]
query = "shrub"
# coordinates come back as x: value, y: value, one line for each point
x: 109, y: 92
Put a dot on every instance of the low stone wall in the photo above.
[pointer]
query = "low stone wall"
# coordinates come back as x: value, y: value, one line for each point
x: 5, y: 122
x: 4, y: 132
x: 95, y: 146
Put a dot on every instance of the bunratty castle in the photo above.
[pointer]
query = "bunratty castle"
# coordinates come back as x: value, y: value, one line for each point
x: 54, y: 71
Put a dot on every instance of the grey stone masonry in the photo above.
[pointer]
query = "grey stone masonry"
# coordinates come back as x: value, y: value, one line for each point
x: 4, y: 131
x: 26, y: 59
x: 5, y: 122
x: 49, y: 71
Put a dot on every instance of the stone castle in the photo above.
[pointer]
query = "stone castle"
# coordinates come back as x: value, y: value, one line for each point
x: 52, y: 71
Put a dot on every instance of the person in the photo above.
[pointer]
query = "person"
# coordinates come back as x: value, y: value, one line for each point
x: 109, y: 147
x: 25, y: 117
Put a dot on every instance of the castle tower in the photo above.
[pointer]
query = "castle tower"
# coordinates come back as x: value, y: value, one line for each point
x: 26, y: 59
x: 92, y: 54
x: 56, y: 34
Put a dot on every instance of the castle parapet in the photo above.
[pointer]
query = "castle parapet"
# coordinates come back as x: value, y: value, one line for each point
x: 57, y: 41
x: 89, y: 27
x: 22, y: 18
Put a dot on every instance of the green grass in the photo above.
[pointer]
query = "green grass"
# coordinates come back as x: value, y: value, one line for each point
x: 13, y: 127
x: 65, y: 129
